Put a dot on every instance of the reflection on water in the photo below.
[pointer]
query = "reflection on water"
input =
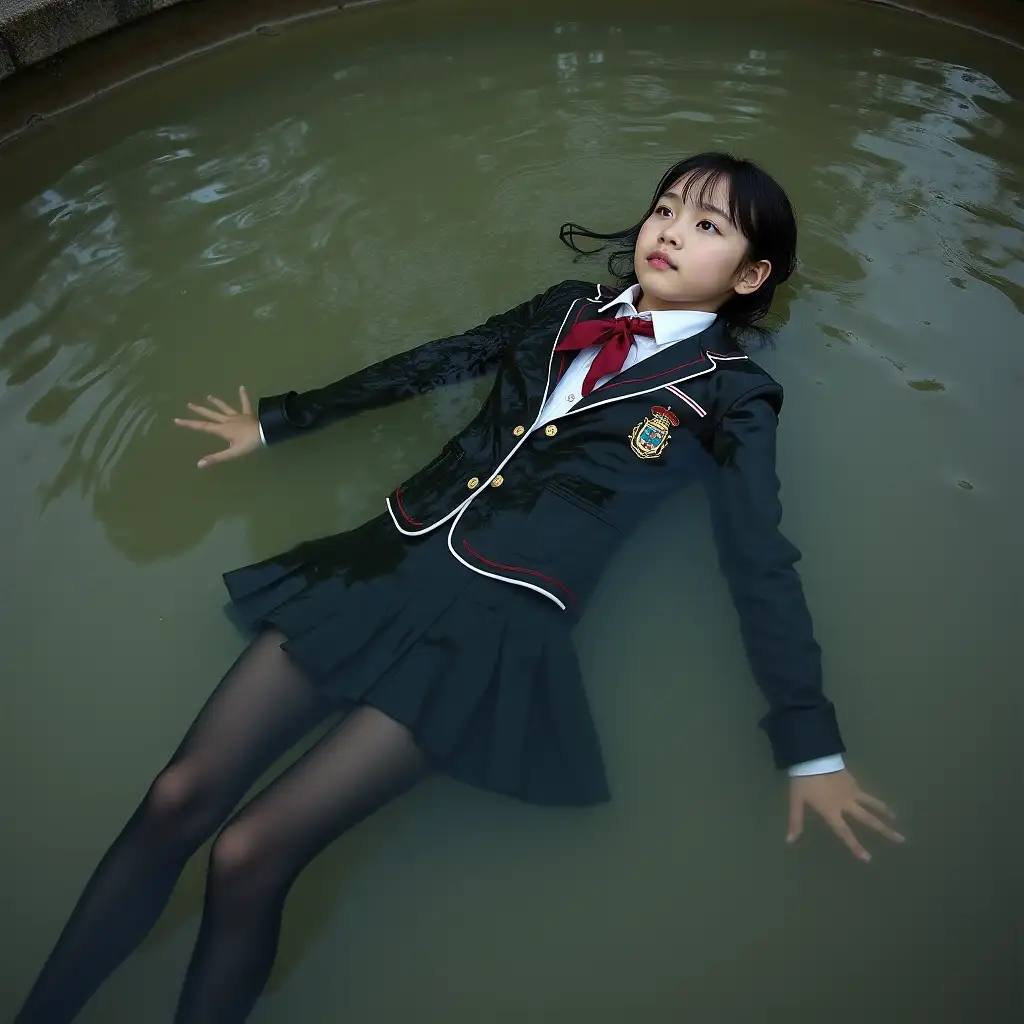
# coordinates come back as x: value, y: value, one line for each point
x: 220, y: 224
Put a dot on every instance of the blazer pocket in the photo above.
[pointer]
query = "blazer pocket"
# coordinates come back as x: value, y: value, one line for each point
x: 564, y: 540
x: 559, y: 529
x: 584, y: 506
x: 451, y: 453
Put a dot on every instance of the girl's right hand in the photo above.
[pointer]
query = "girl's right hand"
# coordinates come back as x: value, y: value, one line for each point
x: 240, y: 428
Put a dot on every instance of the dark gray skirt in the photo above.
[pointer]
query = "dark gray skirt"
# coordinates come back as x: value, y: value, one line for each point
x: 483, y: 673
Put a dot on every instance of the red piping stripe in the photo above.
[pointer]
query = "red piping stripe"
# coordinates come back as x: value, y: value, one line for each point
x: 561, y: 365
x: 640, y: 380
x: 519, y: 568
x: 401, y: 508
x: 672, y: 389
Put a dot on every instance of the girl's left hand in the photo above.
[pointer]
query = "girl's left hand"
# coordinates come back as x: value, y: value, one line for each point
x: 834, y: 795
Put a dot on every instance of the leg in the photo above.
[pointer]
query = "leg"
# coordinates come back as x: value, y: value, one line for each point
x: 366, y: 761
x: 261, y: 708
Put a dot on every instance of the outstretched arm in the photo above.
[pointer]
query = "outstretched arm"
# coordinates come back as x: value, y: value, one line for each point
x: 435, y: 364
x: 760, y: 566
x: 445, y: 361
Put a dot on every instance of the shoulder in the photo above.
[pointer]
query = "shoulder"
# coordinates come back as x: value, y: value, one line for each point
x: 555, y: 301
x: 743, y: 385
x: 571, y: 290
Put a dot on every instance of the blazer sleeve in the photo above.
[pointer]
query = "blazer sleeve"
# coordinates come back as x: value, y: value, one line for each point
x: 760, y: 566
x: 435, y: 364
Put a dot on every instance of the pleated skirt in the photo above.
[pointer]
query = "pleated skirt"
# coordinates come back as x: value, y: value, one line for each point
x: 483, y: 673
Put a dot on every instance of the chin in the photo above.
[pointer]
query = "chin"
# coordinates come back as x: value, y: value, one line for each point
x: 654, y: 284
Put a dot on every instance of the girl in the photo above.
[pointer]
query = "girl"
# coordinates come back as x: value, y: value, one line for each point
x: 443, y: 626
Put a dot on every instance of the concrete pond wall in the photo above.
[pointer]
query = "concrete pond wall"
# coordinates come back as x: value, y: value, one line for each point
x: 34, y: 30
x: 44, y: 70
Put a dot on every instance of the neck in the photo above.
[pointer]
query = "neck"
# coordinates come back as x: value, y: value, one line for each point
x: 652, y: 304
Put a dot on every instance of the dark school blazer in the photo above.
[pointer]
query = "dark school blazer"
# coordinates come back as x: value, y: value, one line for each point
x: 545, y: 509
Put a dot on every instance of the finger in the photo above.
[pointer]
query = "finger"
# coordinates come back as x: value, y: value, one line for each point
x: 223, y: 406
x: 246, y: 404
x: 217, y: 417
x: 845, y: 833
x: 796, y: 819
x: 875, y: 804
x: 210, y: 428
x: 215, y: 457
x: 879, y: 826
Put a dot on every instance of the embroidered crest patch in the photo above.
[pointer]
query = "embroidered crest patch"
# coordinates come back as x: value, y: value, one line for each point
x: 648, y: 439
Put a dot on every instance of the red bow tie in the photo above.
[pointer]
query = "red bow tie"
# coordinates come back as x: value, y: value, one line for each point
x: 615, y: 338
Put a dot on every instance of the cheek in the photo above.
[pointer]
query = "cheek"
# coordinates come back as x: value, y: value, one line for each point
x: 648, y: 234
x: 720, y: 259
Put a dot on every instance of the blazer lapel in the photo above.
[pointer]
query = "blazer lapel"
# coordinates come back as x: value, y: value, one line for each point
x: 671, y: 365
x: 582, y: 311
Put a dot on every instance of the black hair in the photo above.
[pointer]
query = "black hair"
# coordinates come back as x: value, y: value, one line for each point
x: 758, y: 206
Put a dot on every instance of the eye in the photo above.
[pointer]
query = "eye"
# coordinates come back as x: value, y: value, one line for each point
x: 663, y: 209
x: 705, y: 224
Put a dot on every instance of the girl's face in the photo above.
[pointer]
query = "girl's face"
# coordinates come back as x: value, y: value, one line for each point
x: 690, y: 255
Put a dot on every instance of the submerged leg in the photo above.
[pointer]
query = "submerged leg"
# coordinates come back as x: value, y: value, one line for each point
x: 262, y: 707
x: 368, y: 760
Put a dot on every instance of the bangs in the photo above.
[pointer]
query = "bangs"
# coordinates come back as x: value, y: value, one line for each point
x: 700, y: 183
x: 757, y: 206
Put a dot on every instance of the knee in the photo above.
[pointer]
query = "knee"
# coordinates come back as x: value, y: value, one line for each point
x: 181, y: 801
x: 240, y: 860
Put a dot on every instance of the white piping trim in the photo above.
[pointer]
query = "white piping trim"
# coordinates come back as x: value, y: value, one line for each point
x: 462, y: 508
x: 434, y: 526
x: 485, y: 483
x: 457, y: 511
x: 495, y: 576
x: 551, y: 361
x: 687, y: 399
x: 526, y: 436
x: 636, y: 394
x: 456, y: 514
x: 631, y: 394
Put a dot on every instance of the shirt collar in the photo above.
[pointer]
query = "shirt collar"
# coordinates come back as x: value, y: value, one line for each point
x: 670, y: 325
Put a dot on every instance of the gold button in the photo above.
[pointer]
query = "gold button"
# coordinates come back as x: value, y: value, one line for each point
x: 551, y: 430
x: 474, y: 481
x: 519, y: 431
x: 498, y: 481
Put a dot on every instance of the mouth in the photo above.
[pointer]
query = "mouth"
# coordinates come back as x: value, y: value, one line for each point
x: 660, y: 261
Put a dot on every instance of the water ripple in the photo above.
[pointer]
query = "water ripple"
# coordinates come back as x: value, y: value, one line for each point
x: 189, y: 245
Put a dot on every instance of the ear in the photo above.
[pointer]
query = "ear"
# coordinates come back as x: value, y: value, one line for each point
x: 751, y: 277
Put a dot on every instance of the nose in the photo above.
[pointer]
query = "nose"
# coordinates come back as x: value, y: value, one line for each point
x: 669, y: 236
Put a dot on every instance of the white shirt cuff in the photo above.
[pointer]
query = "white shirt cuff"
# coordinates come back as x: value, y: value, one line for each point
x: 819, y: 766
x: 262, y: 438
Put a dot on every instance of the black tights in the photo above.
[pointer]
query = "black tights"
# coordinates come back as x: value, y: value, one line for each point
x: 263, y: 706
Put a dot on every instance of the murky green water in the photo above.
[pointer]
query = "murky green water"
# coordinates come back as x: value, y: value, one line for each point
x: 293, y: 207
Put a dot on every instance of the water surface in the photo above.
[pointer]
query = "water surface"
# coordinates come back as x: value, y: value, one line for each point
x: 290, y: 208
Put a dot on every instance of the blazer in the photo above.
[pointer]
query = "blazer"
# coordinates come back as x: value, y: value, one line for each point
x: 546, y: 509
